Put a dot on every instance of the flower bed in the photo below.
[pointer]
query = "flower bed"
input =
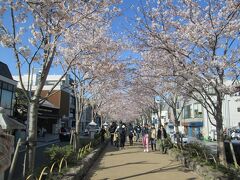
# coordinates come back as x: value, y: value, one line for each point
x: 67, y: 164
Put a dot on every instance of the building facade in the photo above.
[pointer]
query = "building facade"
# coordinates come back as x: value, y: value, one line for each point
x: 192, y: 119
x: 7, y: 89
x: 198, y: 122
x: 60, y: 105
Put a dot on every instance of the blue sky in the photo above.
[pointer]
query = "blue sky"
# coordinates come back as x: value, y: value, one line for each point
x: 118, y: 26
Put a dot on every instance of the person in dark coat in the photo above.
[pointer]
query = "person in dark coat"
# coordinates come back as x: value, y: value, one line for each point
x: 161, y: 136
x: 102, y: 134
x: 130, y: 134
x: 137, y: 130
x: 121, y: 130
x: 112, y: 130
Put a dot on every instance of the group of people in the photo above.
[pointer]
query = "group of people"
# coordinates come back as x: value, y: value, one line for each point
x: 118, y: 134
x: 147, y: 134
x: 155, y: 136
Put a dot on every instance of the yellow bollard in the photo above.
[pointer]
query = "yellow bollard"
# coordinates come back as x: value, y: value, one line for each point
x: 60, y: 164
x: 44, y: 169
x: 51, y: 169
x: 89, y: 147
x: 31, y: 175
x: 79, y: 153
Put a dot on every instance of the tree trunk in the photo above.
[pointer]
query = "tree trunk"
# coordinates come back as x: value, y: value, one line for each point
x: 220, y: 139
x: 77, y: 116
x: 177, y: 132
x: 159, y: 115
x: 32, y: 136
x: 78, y: 126
x: 176, y: 124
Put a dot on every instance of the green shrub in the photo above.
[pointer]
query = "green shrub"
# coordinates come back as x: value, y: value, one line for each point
x: 168, y: 143
x: 97, y: 135
x: 196, y: 152
x: 96, y: 140
x: 196, y: 147
x: 56, y: 153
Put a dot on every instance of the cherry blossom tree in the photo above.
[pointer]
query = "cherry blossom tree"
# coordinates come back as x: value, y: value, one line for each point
x: 149, y: 83
x: 106, y: 87
x: 34, y: 30
x: 96, y: 64
x: 198, y: 43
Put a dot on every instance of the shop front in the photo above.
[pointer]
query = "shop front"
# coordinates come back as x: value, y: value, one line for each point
x: 193, y: 129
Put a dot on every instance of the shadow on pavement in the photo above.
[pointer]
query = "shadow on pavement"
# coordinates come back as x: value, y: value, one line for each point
x: 113, y: 151
x: 162, y: 169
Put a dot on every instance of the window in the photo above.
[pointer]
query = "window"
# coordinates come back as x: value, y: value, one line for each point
x: 10, y: 87
x: 4, y: 85
x: 187, y: 112
x: 238, y: 109
x: 50, y: 82
x: 198, y: 111
x: 6, y: 99
x: 211, y: 91
x: 72, y: 100
x: 63, y: 82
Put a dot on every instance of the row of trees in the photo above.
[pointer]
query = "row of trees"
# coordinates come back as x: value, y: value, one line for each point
x: 190, y: 47
x: 72, y: 34
x: 186, y: 47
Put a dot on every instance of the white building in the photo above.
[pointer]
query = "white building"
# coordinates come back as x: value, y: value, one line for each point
x: 195, y: 118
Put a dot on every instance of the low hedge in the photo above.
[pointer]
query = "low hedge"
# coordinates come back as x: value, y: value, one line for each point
x: 198, y: 158
x: 74, y: 165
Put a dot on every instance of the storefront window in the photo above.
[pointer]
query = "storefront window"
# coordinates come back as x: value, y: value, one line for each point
x: 6, y: 99
x: 187, y: 112
x: 198, y: 111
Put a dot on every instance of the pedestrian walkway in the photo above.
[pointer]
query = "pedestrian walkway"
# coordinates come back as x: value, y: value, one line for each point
x: 133, y: 163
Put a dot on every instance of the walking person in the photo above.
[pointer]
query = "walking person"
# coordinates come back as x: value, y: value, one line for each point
x: 130, y: 134
x: 137, y: 129
x: 122, y: 134
x: 161, y: 136
x: 153, y: 137
x: 112, y: 130
x: 102, y: 134
x: 116, y: 140
x: 145, y: 140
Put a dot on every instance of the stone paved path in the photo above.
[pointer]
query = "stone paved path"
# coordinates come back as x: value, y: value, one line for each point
x: 133, y: 163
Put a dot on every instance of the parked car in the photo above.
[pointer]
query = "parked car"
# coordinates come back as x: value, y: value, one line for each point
x: 185, y: 139
x: 174, y: 138
x: 64, y: 134
x: 235, y: 134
